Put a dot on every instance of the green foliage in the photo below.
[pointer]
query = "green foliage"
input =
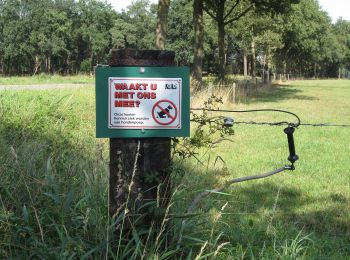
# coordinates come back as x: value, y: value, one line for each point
x: 53, y: 36
x: 135, y: 28
x: 65, y: 36
x: 85, y: 66
x: 123, y: 34
x: 180, y: 31
x: 307, y: 40
x: 209, y: 131
x: 275, y: 6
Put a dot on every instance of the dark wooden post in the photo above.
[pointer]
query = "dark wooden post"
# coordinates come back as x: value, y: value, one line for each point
x: 151, y: 181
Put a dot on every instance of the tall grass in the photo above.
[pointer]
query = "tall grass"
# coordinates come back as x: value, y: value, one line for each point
x: 53, y: 178
x: 54, y: 184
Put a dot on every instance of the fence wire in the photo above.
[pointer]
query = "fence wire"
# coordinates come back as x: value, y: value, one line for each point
x: 290, y: 124
x: 296, y: 125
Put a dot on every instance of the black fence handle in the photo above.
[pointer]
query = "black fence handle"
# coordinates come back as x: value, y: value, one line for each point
x: 292, y: 155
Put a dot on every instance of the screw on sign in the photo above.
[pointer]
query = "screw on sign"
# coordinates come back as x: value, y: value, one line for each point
x: 164, y: 112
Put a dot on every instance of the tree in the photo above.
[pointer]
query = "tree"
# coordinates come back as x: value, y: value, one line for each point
x: 162, y: 19
x: 96, y: 22
x: 123, y: 33
x: 305, y: 33
x: 17, y: 50
x: 1, y: 37
x: 50, y: 27
x: 198, y: 43
x: 134, y: 28
x: 225, y: 12
x: 53, y: 35
x: 259, y: 35
x: 180, y: 31
x: 341, y: 52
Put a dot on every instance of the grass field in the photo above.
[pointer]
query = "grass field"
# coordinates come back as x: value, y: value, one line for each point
x: 313, y: 201
x: 53, y: 179
x: 47, y: 79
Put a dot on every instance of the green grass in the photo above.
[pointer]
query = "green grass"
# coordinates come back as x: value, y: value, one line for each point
x: 54, y: 179
x: 313, y: 200
x: 47, y: 79
x: 48, y: 150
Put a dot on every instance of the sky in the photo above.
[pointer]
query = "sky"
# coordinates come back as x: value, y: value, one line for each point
x: 335, y: 8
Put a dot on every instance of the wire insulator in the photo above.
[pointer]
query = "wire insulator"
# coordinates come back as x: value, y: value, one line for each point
x: 292, y: 155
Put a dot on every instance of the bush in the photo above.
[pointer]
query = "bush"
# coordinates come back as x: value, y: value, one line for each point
x: 85, y: 66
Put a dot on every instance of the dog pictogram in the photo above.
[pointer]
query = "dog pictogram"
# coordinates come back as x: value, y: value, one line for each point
x: 164, y: 112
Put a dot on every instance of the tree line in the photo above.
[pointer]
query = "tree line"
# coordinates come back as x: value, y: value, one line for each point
x: 249, y: 37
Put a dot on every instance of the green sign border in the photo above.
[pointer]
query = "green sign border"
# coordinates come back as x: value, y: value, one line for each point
x: 102, y: 75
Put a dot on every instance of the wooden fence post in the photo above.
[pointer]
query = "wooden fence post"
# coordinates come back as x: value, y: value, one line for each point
x: 210, y: 89
x: 134, y: 184
x: 233, y: 92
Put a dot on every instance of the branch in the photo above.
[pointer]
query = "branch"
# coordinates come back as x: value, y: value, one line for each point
x: 221, y: 140
x: 208, y: 12
x: 240, y: 15
x: 232, y: 8
x: 210, y: 3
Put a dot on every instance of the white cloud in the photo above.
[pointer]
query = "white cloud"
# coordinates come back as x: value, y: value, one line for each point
x: 122, y: 4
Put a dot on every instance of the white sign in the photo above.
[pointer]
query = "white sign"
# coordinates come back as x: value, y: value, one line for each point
x: 144, y: 103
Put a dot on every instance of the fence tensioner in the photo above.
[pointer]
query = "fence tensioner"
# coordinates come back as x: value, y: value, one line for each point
x: 293, y: 157
x: 289, y: 130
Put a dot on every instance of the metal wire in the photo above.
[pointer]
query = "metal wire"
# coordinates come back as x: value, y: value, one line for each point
x: 256, y: 110
x: 326, y: 124
x: 271, y: 123
x: 263, y: 123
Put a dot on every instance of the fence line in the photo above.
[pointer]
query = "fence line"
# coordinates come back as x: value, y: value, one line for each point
x: 237, y: 92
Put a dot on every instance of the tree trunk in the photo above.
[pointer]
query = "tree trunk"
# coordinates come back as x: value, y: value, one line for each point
x: 162, y: 20
x: 253, y: 60
x: 268, y: 58
x: 91, y: 55
x: 46, y: 64
x: 245, y: 64
x: 221, y: 43
x: 284, y: 69
x: 315, y: 70
x: 37, y: 64
x: 263, y: 75
x: 198, y: 43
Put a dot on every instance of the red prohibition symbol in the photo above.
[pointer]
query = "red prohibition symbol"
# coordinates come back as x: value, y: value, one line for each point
x: 164, y: 112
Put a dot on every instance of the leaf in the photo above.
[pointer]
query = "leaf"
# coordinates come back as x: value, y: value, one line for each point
x: 169, y: 254
x: 69, y: 200
x: 48, y: 166
x: 218, y: 192
x: 25, y: 214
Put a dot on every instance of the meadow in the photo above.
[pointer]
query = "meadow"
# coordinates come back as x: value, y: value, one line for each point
x: 54, y: 180
x: 47, y: 79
